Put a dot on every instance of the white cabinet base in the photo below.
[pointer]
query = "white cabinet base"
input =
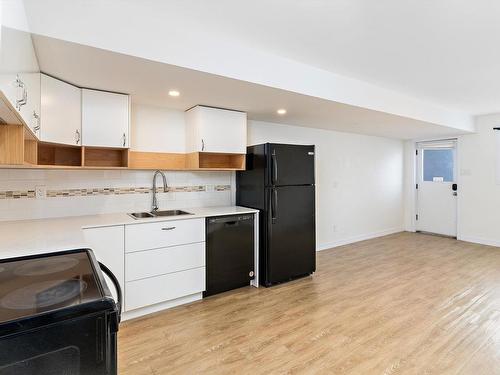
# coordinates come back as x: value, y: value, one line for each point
x: 108, y: 246
x: 161, y: 306
x: 145, y: 292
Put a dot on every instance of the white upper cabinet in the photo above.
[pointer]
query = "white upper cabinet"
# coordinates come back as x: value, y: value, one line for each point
x: 20, y: 76
x: 105, y: 119
x: 31, y: 112
x: 60, y: 112
x: 216, y: 130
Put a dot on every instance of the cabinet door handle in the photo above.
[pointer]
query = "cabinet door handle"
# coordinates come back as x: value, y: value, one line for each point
x: 36, y: 116
x: 168, y: 228
x: 77, y: 136
x: 24, y: 95
x: 202, y: 145
x: 124, y: 139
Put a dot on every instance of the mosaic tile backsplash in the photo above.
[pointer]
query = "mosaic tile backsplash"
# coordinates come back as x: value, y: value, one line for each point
x: 70, y: 193
x: 12, y: 194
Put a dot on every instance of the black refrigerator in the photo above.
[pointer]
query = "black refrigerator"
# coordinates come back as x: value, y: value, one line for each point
x: 279, y: 181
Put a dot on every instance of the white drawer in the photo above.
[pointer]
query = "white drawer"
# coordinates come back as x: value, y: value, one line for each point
x: 142, y: 264
x: 162, y: 234
x: 158, y: 289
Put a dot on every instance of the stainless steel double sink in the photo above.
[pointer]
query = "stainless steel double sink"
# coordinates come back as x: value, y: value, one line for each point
x: 152, y: 214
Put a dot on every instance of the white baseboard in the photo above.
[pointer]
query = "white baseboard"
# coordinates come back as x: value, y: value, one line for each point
x: 362, y: 237
x: 132, y: 314
x: 482, y: 241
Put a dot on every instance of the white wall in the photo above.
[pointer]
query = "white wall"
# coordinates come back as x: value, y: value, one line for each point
x: 359, y: 181
x: 479, y: 194
x: 157, y: 129
x: 25, y: 208
x: 478, y: 191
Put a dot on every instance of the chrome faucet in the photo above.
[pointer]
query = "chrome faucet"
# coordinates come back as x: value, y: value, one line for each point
x: 154, y: 205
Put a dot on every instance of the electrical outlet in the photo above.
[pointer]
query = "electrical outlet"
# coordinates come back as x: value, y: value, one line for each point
x: 40, y: 192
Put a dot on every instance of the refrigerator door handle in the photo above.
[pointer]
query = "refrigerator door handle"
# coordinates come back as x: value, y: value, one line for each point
x: 275, y: 166
x: 274, y: 204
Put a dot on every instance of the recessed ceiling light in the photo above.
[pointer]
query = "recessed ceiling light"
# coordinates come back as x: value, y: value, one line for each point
x: 174, y: 93
x: 281, y: 111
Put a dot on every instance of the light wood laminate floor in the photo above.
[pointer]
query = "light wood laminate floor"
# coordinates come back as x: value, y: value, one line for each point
x: 401, y: 304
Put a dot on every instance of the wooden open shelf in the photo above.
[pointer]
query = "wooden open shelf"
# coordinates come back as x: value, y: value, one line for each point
x: 193, y: 161
x: 215, y: 161
x: 20, y: 149
x: 17, y: 145
x: 11, y: 144
x: 51, y: 154
x: 156, y: 160
x: 30, y: 151
x: 218, y: 161
x: 104, y: 157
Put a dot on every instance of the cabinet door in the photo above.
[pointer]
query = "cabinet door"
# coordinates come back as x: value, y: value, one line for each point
x: 108, y: 245
x: 147, y: 236
x: 105, y: 119
x: 152, y: 290
x: 19, y: 74
x: 216, y: 130
x: 60, y: 112
x: 31, y: 112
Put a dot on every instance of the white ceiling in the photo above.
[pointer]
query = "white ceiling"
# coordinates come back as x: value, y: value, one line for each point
x: 148, y: 82
x: 444, y: 51
x: 264, y: 42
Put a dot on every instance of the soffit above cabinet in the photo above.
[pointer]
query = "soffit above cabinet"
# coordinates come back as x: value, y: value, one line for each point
x: 148, y: 82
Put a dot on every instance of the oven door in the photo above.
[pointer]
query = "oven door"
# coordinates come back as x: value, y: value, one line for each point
x: 82, y: 346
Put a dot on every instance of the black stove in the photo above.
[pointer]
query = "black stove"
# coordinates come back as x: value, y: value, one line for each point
x: 57, y: 315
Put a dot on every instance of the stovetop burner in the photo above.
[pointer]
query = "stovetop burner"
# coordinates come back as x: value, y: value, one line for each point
x: 39, y: 284
x: 44, y: 294
x: 45, y: 266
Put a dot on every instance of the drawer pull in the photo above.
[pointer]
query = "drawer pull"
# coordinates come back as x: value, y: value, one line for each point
x: 168, y: 228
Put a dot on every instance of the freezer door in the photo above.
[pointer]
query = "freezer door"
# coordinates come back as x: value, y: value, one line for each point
x: 291, y: 250
x: 290, y: 165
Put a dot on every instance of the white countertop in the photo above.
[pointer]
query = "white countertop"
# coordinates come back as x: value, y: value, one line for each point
x: 26, y: 237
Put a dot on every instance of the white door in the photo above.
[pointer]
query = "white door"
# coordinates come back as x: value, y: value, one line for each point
x: 61, y: 112
x: 436, y: 187
x: 105, y: 119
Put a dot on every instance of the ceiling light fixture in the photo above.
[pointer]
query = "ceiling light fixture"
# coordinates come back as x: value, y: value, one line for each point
x: 174, y: 93
x: 281, y: 111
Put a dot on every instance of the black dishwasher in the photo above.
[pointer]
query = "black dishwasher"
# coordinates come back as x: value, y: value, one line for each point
x: 229, y: 253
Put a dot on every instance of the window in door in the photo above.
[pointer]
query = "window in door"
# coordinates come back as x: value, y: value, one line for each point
x: 438, y: 165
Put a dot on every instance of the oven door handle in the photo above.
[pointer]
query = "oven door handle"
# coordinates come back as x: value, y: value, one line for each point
x: 113, y: 278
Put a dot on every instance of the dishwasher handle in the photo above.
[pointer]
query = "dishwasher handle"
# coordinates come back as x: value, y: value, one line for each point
x: 230, y: 220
